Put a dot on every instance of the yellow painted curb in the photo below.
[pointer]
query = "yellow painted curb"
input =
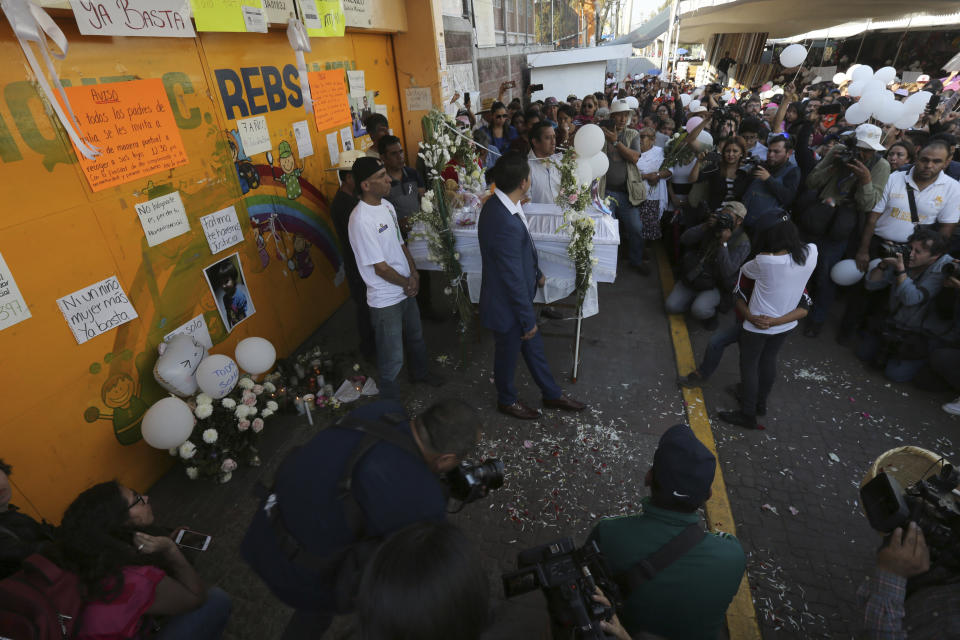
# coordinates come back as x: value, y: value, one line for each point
x: 741, y: 616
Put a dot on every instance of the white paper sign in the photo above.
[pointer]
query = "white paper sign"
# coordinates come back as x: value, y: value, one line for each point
x: 418, y: 99
x: 197, y: 328
x: 301, y: 131
x: 346, y: 136
x: 382, y: 110
x: 279, y: 11
x: 222, y: 229
x: 333, y: 148
x: 359, y: 13
x: 155, y: 18
x: 163, y: 218
x: 358, y: 84
x: 96, y: 309
x: 13, y: 308
x: 442, y: 51
x: 255, y: 19
x: 254, y: 135
x: 311, y: 17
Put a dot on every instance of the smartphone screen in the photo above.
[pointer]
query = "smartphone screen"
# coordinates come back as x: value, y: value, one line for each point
x: 193, y: 540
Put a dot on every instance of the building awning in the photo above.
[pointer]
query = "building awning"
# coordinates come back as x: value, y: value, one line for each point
x: 850, y: 29
x: 647, y: 32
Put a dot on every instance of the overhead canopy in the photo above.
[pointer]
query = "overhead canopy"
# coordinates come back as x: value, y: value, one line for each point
x: 699, y: 19
x: 647, y: 32
x: 849, y: 29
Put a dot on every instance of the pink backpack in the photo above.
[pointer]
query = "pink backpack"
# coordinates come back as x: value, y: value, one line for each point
x: 40, y: 602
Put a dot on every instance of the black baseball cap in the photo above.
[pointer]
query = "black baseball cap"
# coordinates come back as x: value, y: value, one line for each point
x: 683, y: 468
x: 365, y: 167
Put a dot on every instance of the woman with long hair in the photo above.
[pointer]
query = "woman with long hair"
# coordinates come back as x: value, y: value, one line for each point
x: 130, y: 573
x: 900, y: 153
x: 780, y: 272
x: 724, y: 180
x: 588, y: 110
x: 501, y: 132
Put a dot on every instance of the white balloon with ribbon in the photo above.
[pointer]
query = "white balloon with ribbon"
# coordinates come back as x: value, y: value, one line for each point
x: 167, y: 424
x: 845, y: 273
x: 255, y: 355
x: 177, y: 365
x: 217, y: 375
x: 589, y: 140
x: 793, y: 56
x: 599, y: 164
x: 584, y: 171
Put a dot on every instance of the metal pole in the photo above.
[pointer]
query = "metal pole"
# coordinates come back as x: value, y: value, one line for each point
x: 576, y: 346
x: 860, y: 48
x: 553, y: 35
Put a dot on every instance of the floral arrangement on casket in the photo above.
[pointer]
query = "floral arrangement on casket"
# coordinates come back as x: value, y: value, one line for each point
x: 573, y: 197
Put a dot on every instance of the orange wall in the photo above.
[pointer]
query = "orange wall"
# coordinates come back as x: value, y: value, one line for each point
x: 57, y: 236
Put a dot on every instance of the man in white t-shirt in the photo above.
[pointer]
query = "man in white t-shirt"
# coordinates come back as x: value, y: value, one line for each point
x: 544, y: 174
x: 936, y: 194
x: 388, y: 270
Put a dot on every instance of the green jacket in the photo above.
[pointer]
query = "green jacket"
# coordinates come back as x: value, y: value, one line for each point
x: 636, y: 187
x: 689, y: 598
x: 824, y: 179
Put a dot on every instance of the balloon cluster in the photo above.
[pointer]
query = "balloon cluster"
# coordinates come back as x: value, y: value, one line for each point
x: 846, y: 273
x: 184, y: 366
x: 592, y: 162
x: 876, y: 100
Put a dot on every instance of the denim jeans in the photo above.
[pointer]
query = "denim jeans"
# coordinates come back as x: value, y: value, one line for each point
x: 702, y: 304
x: 719, y: 341
x: 394, y: 326
x: 830, y: 253
x: 896, y: 370
x: 758, y: 367
x: 629, y: 215
x: 206, y: 622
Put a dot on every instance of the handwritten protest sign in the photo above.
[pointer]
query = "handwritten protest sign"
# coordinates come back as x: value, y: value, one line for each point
x: 13, y: 308
x: 96, y: 309
x: 156, y: 18
x: 222, y: 229
x: 254, y: 135
x: 323, y: 18
x: 419, y: 99
x: 132, y: 125
x: 301, y: 131
x: 331, y: 107
x: 358, y: 84
x: 196, y: 328
x: 228, y: 15
x: 163, y: 218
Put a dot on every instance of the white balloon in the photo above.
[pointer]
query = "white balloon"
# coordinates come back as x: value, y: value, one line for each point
x: 871, y: 87
x: 694, y: 104
x: 908, y: 119
x: 705, y: 138
x: 919, y: 99
x: 255, y: 355
x: 632, y: 102
x: 845, y: 273
x: 584, y: 171
x: 890, y: 111
x: 863, y: 72
x: 599, y: 165
x: 167, y: 424
x: 855, y: 88
x: 886, y: 75
x: 873, y: 265
x: 793, y: 56
x: 178, y: 361
x: 840, y: 78
x: 851, y: 69
x: 685, y: 99
x: 588, y: 141
x: 856, y: 114
x: 217, y: 375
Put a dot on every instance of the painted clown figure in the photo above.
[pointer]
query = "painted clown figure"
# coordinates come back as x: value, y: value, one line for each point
x: 291, y: 174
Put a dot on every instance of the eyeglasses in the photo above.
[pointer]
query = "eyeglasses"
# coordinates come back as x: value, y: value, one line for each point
x: 137, y: 499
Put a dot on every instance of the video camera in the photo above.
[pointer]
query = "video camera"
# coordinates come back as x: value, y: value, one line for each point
x: 890, y: 249
x: 469, y: 482
x: 931, y: 503
x: 568, y: 577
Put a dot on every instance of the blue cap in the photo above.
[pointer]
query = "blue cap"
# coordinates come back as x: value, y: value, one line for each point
x: 683, y: 468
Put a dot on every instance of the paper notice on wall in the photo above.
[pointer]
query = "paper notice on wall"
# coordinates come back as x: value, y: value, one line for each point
x: 132, y: 125
x: 346, y: 137
x: 227, y: 15
x: 96, y: 309
x: 254, y: 19
x: 196, y: 328
x: 333, y: 148
x: 442, y: 52
x: 323, y: 18
x: 222, y: 229
x: 155, y: 18
x: 357, y: 82
x: 382, y: 110
x: 359, y: 13
x: 301, y: 131
x: 163, y: 218
x: 254, y: 135
x: 279, y: 11
x: 13, y: 308
x: 485, y: 23
x: 418, y: 99
x: 331, y: 106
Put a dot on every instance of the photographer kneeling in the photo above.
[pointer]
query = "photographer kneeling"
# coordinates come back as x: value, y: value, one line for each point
x: 896, y: 341
x: 721, y: 247
x: 337, y: 496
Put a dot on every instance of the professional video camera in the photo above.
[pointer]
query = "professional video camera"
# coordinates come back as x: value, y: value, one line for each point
x: 931, y: 503
x: 893, y: 249
x: 847, y: 151
x: 568, y: 577
x: 469, y: 482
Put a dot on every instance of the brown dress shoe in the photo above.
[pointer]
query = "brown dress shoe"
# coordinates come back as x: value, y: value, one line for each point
x: 565, y: 403
x: 519, y: 410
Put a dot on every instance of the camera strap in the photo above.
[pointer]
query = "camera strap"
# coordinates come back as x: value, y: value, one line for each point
x: 649, y: 567
x: 914, y: 217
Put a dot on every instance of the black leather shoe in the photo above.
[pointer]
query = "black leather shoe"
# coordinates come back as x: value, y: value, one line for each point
x: 565, y: 403
x: 519, y: 410
x: 739, y: 418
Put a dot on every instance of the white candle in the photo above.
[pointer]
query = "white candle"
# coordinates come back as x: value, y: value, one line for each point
x: 307, y: 401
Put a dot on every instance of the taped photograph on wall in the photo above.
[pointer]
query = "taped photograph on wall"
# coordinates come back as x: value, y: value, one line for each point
x: 229, y: 289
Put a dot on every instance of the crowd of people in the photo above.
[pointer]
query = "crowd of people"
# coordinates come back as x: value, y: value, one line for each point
x: 774, y: 192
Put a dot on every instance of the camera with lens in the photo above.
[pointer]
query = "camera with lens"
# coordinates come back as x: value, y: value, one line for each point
x: 893, y: 249
x: 723, y: 221
x: 568, y: 576
x: 468, y: 481
x: 931, y: 503
x: 951, y: 270
x: 847, y: 151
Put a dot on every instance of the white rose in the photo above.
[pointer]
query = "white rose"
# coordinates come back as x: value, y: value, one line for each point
x: 192, y: 473
x: 225, y: 478
x: 174, y: 451
x: 241, y: 411
x: 269, y: 387
x: 251, y: 411
x: 245, y: 383
x: 426, y: 206
x: 228, y: 403
x: 447, y: 291
x: 188, y: 450
x: 210, y: 436
x: 272, y: 406
x: 203, y: 411
x: 204, y: 399
x: 266, y: 413
x: 456, y: 255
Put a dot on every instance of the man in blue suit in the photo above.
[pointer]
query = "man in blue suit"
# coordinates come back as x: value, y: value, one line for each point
x: 511, y: 276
